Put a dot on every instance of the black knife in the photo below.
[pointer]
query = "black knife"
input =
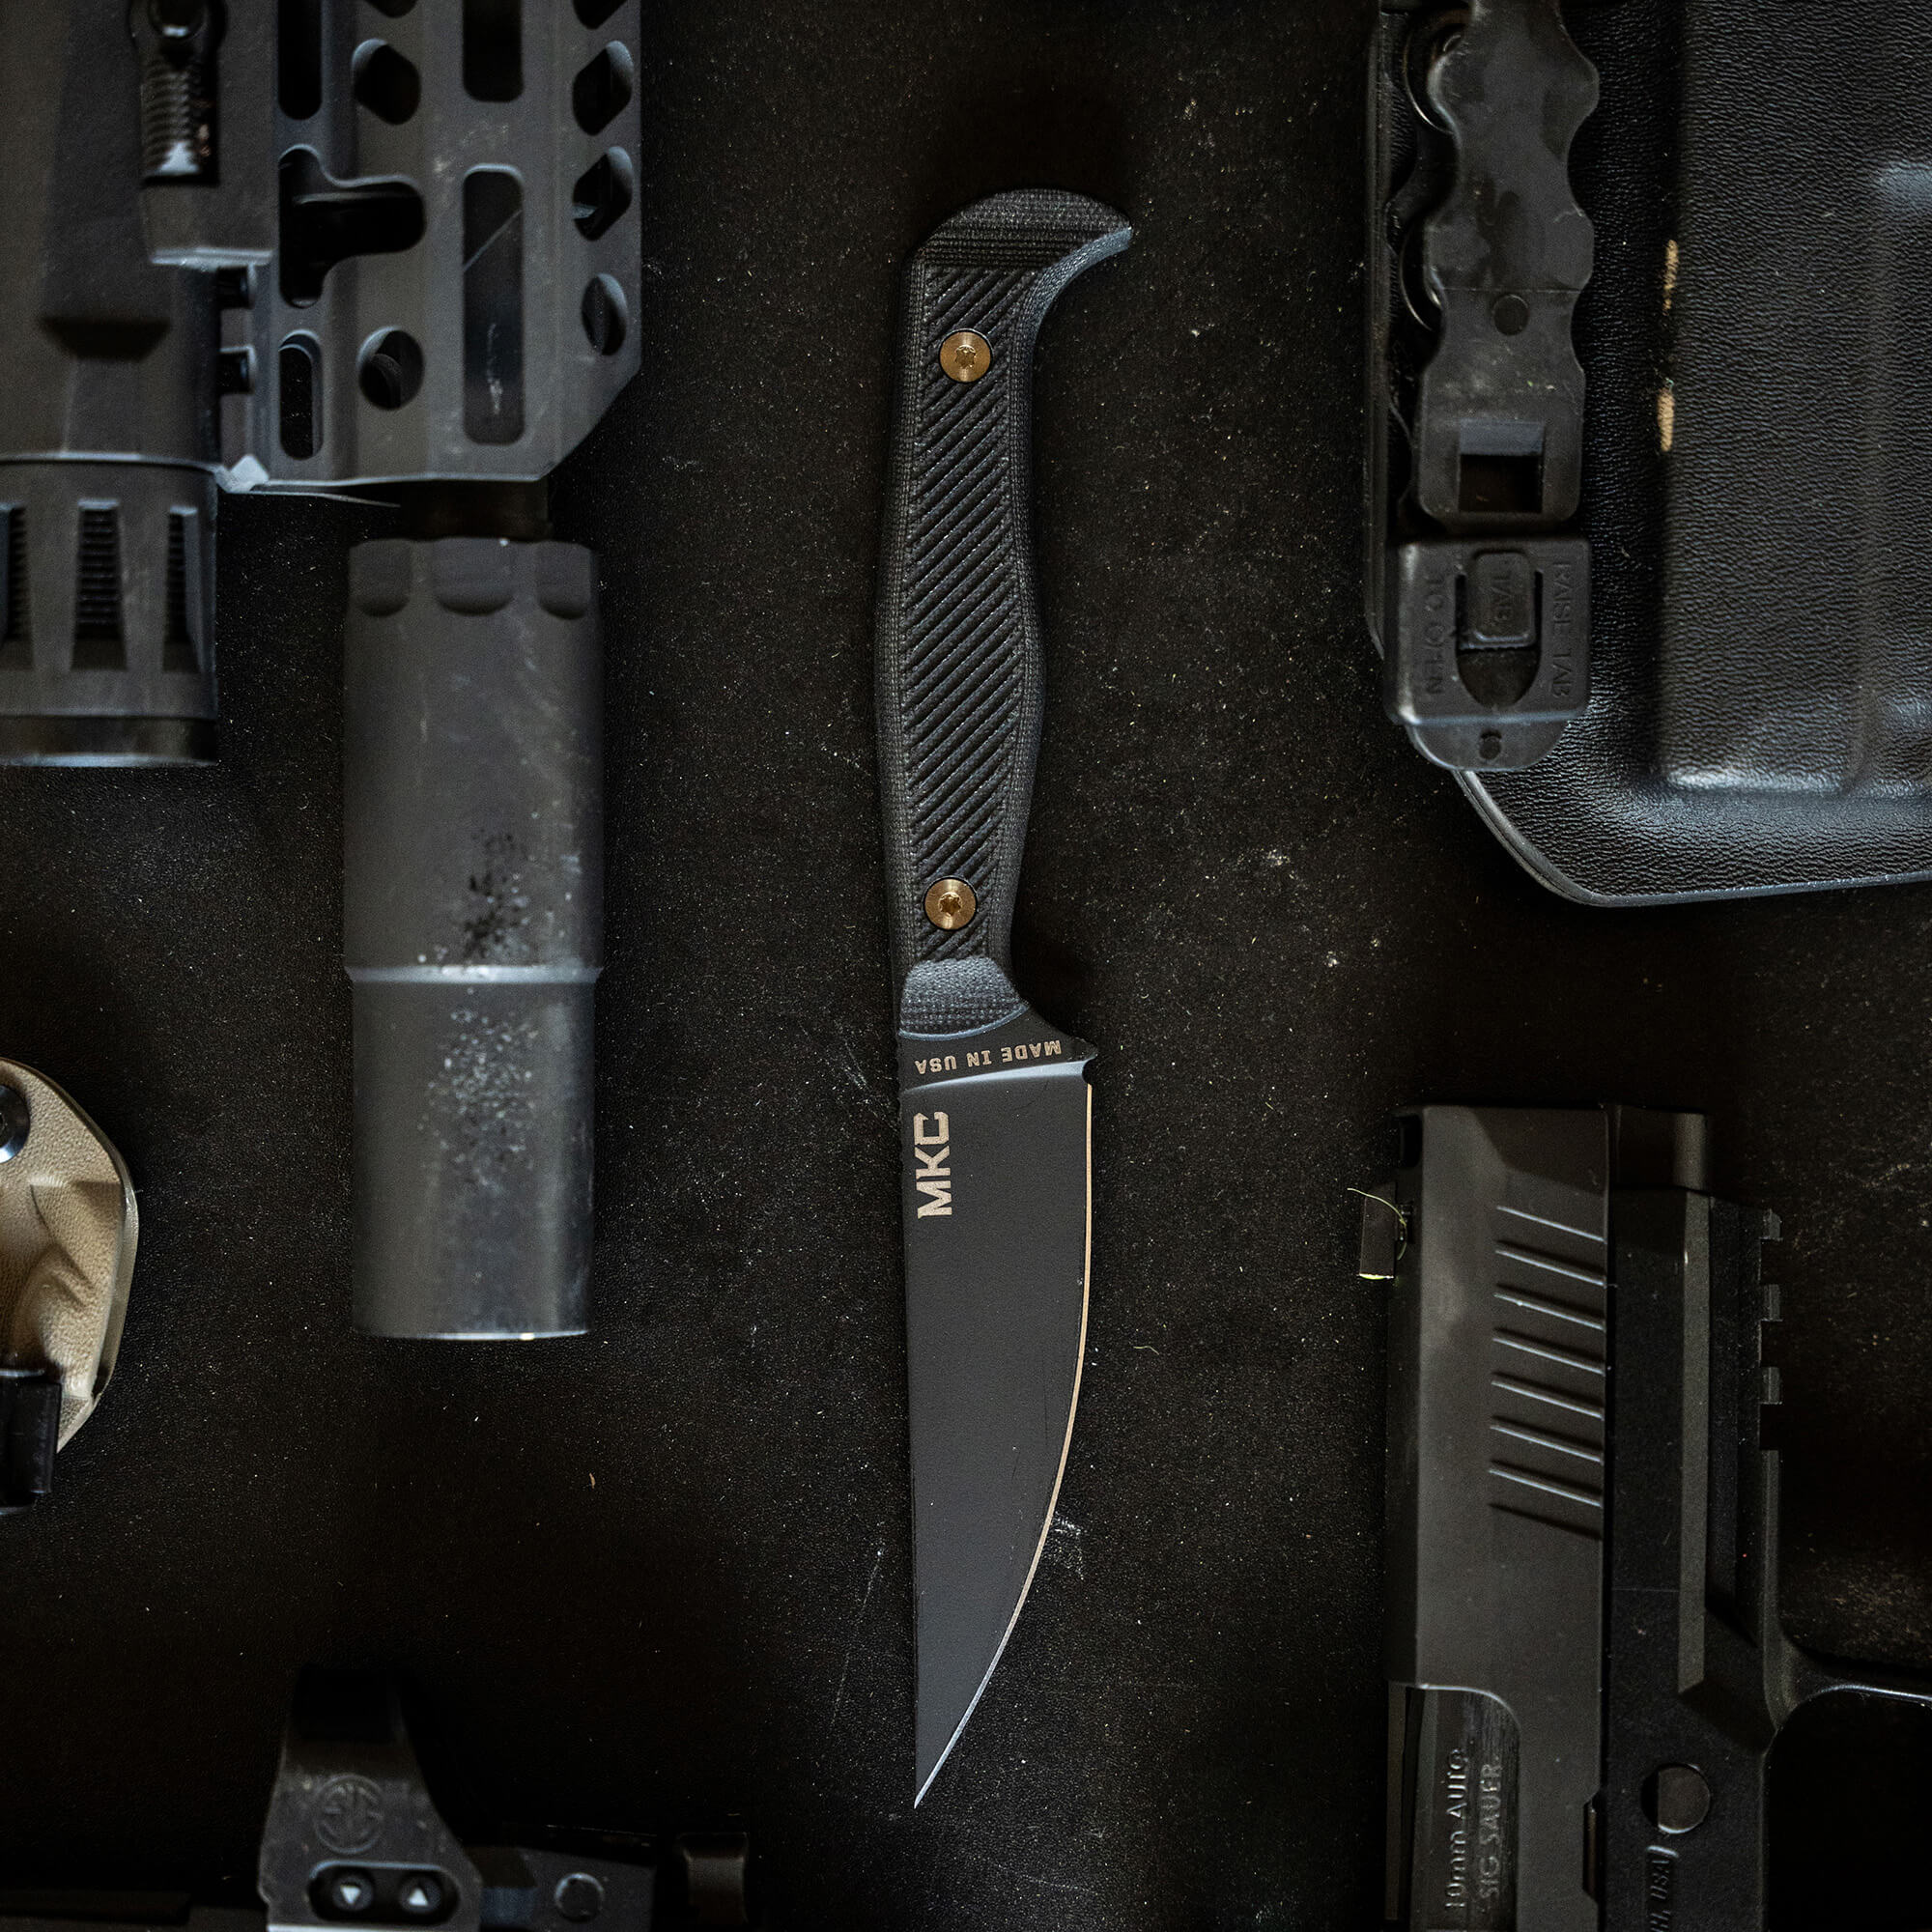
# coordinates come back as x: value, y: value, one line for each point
x: 994, y: 1104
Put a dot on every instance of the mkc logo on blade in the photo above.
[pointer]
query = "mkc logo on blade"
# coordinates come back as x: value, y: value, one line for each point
x: 931, y: 1176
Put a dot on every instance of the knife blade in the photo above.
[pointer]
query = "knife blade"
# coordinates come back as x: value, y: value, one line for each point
x: 994, y: 1102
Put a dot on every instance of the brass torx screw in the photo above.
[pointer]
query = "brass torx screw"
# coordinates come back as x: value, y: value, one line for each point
x: 950, y: 904
x: 966, y: 356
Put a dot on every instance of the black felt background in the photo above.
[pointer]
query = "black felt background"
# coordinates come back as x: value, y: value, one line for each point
x: 665, y: 1570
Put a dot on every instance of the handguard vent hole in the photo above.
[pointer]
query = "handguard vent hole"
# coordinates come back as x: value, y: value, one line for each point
x: 298, y: 380
x: 603, y: 193
x: 326, y: 222
x: 390, y: 370
x: 606, y: 315
x: 493, y: 49
x: 603, y: 89
x: 298, y: 58
x: 493, y: 305
x: 387, y: 83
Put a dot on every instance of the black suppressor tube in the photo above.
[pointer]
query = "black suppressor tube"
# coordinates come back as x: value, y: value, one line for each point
x: 473, y: 909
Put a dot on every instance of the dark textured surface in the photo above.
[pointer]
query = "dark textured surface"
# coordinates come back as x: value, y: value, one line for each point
x: 967, y: 686
x: 961, y: 661
x: 1770, y: 735
x: 1275, y: 921
x: 473, y: 933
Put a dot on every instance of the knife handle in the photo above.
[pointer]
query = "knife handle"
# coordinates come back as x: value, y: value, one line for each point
x: 959, y: 670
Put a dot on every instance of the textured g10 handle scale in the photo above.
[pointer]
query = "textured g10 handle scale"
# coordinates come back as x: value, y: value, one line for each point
x: 959, y: 636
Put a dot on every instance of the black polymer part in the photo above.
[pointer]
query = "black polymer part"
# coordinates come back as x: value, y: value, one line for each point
x: 30, y: 1408
x: 994, y: 1108
x: 1185, y: 1731
x: 1757, y: 675
x: 353, y: 1839
x: 110, y: 339
x: 1496, y: 1439
x: 1588, y: 1671
x: 433, y: 247
x: 959, y: 660
x: 306, y: 247
x: 473, y: 927
x: 1478, y: 592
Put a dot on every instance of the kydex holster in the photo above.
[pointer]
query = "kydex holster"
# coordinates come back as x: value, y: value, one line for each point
x: 1642, y: 562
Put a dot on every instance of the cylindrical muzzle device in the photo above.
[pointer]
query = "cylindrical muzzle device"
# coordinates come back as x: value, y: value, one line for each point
x: 474, y: 907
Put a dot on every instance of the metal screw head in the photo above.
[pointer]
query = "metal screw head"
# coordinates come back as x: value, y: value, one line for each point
x: 1680, y: 1800
x: 15, y: 1121
x: 579, y: 1898
x: 950, y: 904
x: 966, y: 355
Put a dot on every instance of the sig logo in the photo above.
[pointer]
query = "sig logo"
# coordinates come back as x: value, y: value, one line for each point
x: 931, y: 1150
x: 347, y: 1813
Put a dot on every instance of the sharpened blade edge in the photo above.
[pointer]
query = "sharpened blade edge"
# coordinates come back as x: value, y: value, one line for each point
x: 1058, y: 1477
